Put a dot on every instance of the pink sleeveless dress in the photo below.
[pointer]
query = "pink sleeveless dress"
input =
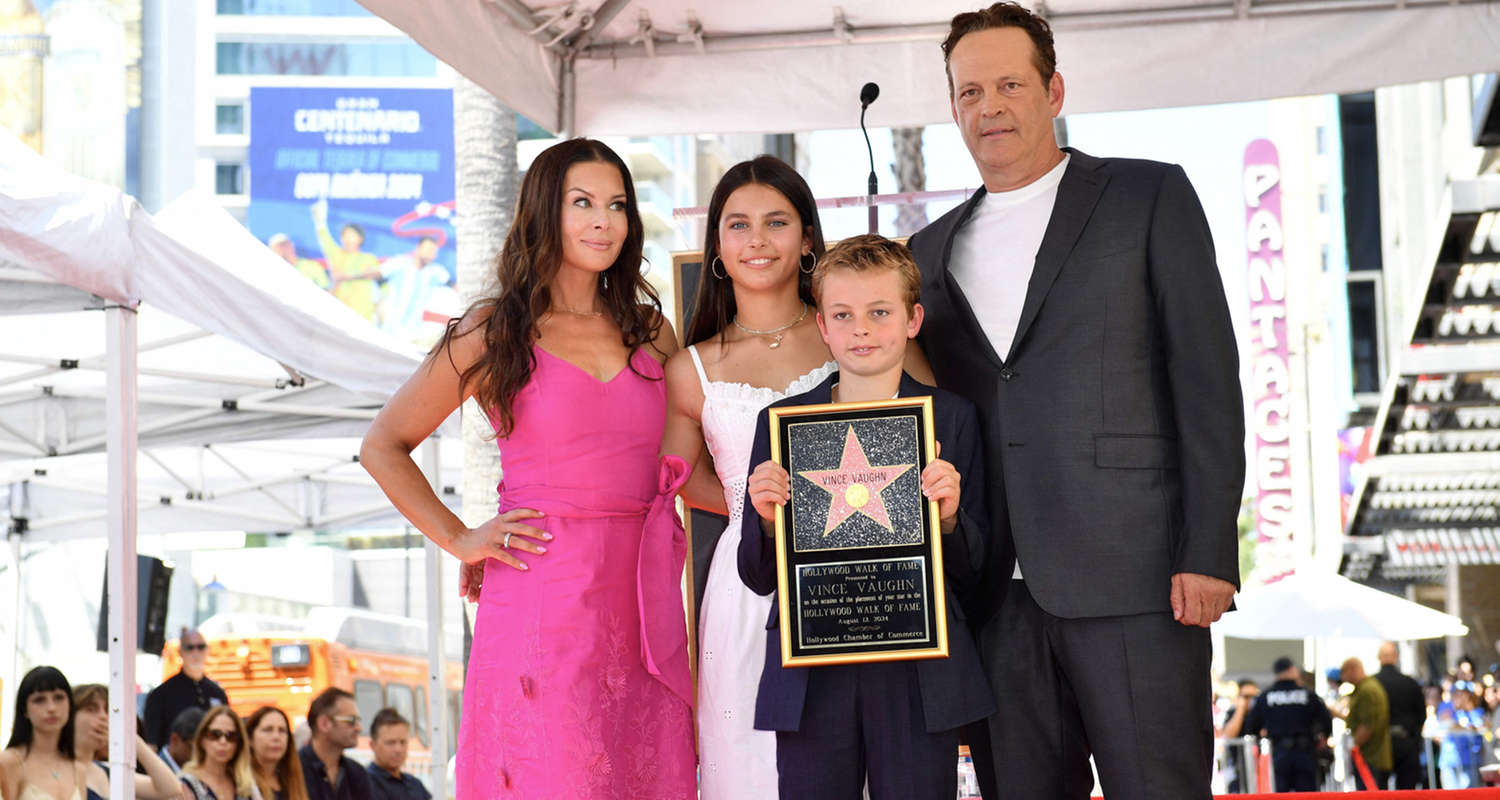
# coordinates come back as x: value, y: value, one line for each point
x: 578, y: 683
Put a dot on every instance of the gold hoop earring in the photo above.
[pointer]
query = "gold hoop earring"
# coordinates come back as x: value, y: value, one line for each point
x: 814, y: 265
x: 718, y: 261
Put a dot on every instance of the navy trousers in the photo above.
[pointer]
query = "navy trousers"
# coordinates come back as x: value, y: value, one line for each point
x: 866, y: 719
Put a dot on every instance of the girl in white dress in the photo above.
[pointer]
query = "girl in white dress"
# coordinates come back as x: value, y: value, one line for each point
x: 754, y: 341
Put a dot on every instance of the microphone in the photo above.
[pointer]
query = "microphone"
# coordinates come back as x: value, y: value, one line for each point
x: 867, y: 95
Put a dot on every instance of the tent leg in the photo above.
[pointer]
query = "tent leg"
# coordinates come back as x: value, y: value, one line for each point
x: 437, y: 660
x: 120, y: 422
x: 12, y: 675
x: 567, y: 98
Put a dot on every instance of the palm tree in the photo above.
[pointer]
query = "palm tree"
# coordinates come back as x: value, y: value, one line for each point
x: 911, y: 176
x: 484, y: 139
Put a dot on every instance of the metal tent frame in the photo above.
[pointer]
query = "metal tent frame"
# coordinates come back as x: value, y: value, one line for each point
x: 87, y: 246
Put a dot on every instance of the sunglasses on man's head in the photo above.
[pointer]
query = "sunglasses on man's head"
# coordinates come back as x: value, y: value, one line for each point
x: 223, y: 736
x: 352, y: 719
x: 191, y: 647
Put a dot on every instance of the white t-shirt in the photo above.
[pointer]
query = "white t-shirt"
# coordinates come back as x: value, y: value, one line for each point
x: 994, y: 254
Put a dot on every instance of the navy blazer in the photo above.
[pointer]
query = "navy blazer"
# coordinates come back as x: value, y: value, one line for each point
x: 954, y: 690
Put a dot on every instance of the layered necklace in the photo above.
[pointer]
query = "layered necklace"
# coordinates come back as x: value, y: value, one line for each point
x: 779, y: 332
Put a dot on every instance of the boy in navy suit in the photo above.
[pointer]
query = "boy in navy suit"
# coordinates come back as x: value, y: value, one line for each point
x: 898, y: 721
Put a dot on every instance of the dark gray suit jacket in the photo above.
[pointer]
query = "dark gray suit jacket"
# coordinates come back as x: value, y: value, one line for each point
x: 1114, y: 429
x: 954, y: 690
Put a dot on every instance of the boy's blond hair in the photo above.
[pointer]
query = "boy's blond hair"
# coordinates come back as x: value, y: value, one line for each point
x: 870, y: 252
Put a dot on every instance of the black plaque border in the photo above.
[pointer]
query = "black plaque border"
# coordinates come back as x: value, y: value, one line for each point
x: 787, y: 559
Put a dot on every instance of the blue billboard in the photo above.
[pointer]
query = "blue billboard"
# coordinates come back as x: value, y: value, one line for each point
x: 355, y: 188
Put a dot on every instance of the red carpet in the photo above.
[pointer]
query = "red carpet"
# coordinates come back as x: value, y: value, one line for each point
x: 1437, y: 794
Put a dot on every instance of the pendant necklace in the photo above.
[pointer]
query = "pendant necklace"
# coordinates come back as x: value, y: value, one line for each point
x: 780, y: 332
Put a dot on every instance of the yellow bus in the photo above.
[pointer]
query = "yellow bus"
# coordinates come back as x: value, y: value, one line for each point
x: 381, y: 659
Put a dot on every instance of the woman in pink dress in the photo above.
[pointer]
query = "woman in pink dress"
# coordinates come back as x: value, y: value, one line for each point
x: 578, y: 683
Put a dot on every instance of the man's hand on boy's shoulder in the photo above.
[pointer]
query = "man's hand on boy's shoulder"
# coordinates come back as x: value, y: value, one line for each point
x: 940, y: 482
x: 769, y: 487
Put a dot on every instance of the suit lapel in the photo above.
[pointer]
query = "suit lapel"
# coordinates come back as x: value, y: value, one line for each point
x: 822, y: 393
x: 1077, y: 194
x: 911, y: 388
x: 955, y: 292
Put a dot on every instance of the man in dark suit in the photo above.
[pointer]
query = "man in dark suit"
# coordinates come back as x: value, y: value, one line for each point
x: 1077, y: 303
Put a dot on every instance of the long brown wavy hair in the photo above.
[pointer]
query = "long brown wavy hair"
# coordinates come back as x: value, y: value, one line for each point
x: 713, y: 304
x: 239, y: 763
x: 288, y: 768
x: 525, y: 269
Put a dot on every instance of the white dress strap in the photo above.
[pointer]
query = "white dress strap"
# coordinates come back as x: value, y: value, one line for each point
x: 698, y: 362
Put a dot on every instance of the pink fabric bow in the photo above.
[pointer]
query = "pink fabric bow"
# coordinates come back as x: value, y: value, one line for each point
x: 664, y: 639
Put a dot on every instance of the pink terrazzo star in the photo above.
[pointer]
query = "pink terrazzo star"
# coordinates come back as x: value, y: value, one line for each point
x: 855, y: 486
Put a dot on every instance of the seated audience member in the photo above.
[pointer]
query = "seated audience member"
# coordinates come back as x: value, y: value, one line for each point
x: 91, y: 736
x: 38, y: 762
x: 179, y: 747
x: 328, y: 773
x: 278, y: 770
x: 220, y: 766
x: 389, y: 737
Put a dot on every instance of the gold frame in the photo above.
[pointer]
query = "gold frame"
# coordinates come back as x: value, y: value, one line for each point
x: 938, y: 591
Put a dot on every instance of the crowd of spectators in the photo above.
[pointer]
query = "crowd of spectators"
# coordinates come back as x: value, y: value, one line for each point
x: 1407, y: 734
x: 202, y: 749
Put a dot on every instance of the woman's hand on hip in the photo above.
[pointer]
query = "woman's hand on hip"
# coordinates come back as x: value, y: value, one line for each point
x: 500, y: 538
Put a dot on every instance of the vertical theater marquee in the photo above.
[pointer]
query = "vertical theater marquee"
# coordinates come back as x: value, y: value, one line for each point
x: 1270, y: 372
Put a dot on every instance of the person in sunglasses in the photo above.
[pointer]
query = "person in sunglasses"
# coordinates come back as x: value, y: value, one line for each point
x: 189, y: 688
x: 220, y: 767
x: 329, y: 774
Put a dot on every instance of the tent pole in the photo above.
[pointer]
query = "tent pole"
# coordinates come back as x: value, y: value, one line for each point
x: 567, y: 97
x: 437, y: 653
x: 120, y: 422
x: 13, y: 664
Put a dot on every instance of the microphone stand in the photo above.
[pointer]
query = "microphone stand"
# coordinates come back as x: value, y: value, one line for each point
x: 872, y: 185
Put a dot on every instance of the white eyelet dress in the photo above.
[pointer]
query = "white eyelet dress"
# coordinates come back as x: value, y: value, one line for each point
x: 736, y: 762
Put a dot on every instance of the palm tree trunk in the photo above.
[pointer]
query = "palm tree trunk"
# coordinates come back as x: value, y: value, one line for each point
x: 911, y: 176
x: 484, y: 139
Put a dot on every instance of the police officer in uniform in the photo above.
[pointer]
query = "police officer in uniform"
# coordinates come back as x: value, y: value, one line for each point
x: 1294, y: 718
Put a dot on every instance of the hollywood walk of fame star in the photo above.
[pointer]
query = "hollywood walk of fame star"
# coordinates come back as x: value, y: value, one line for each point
x: 855, y: 485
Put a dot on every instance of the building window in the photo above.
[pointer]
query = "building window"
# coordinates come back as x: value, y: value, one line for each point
x: 229, y: 179
x: 1364, y: 334
x: 358, y: 59
x: 293, y: 8
x: 1320, y: 137
x: 1324, y: 255
x: 1361, y: 181
x: 229, y: 118
x: 1322, y: 199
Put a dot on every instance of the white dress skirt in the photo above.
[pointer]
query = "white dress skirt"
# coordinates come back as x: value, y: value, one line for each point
x: 736, y: 762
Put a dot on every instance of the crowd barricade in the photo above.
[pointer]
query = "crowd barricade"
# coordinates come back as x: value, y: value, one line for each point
x: 1339, y: 777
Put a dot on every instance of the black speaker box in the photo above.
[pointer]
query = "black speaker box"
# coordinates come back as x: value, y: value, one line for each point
x: 153, y: 579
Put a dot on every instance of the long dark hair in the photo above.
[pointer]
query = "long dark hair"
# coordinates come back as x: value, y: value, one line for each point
x: 288, y: 769
x: 525, y: 268
x: 713, y: 304
x: 42, y: 679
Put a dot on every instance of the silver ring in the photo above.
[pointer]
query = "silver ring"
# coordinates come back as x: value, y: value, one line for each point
x: 506, y: 543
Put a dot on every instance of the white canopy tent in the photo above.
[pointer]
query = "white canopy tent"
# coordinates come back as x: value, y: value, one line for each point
x: 642, y: 67
x: 237, y: 347
x: 1311, y: 605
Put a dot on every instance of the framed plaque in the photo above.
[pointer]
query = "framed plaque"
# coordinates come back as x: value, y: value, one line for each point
x: 858, y: 548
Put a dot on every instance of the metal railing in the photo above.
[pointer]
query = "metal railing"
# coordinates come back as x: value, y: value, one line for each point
x: 1250, y: 760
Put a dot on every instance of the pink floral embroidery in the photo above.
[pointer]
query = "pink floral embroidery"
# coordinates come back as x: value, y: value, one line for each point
x: 599, y: 765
